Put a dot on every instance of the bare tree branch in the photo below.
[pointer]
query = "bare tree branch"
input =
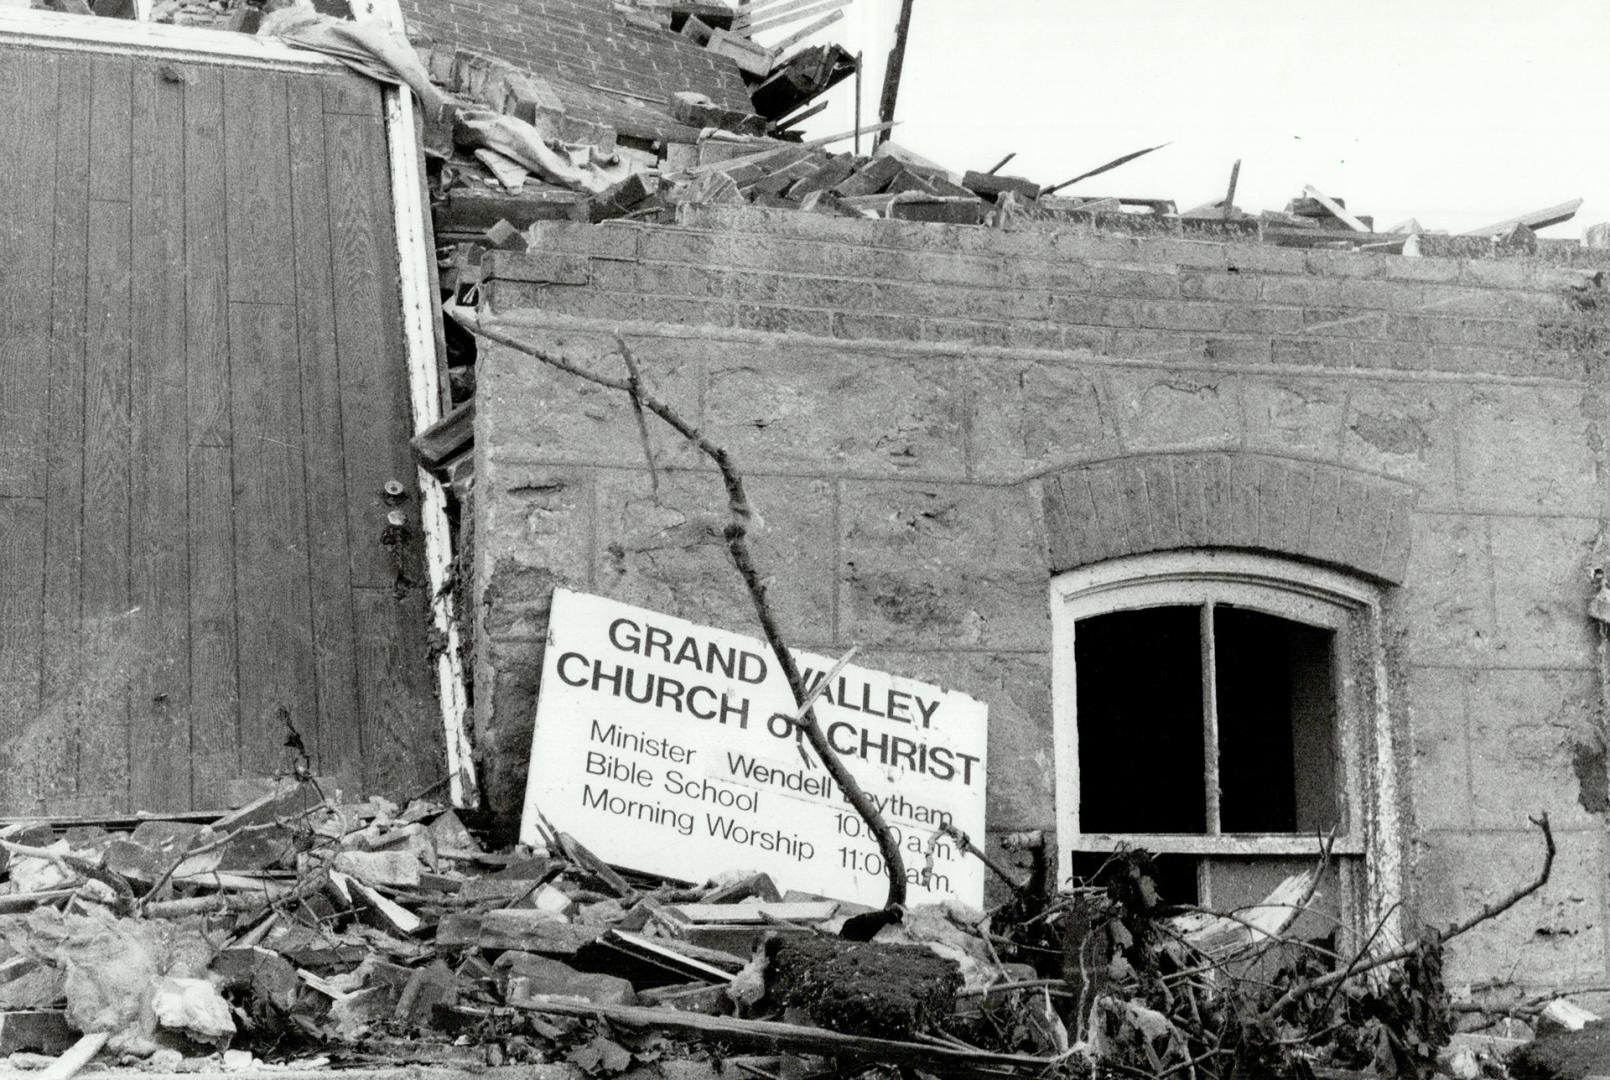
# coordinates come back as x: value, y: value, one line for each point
x: 737, y: 537
x: 1438, y: 937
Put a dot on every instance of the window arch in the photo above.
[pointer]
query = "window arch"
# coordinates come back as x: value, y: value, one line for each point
x: 1225, y: 710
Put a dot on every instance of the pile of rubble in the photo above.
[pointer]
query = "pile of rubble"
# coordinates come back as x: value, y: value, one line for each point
x: 300, y: 929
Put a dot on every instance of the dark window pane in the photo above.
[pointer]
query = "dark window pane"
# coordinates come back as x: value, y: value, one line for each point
x: 1277, y: 723
x: 1174, y: 876
x: 1140, y: 722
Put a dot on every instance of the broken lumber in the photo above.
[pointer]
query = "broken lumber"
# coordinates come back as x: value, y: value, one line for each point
x: 447, y: 438
x: 1106, y: 167
x: 1536, y: 219
x: 751, y: 59
x: 781, y: 1037
x: 508, y: 172
x: 800, y: 35
x: 989, y: 185
x: 1337, y: 210
x: 783, y: 14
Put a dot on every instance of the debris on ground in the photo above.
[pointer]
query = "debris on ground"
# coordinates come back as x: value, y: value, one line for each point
x: 299, y: 928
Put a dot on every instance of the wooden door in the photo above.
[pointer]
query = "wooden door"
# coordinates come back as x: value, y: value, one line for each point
x: 203, y: 396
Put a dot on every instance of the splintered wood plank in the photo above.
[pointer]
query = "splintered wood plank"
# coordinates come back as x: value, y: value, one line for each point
x: 62, y: 699
x: 28, y: 126
x: 258, y: 176
x: 215, y: 699
x: 339, y: 750
x: 22, y: 559
x: 273, y: 618
x: 102, y: 740
x: 374, y: 373
x: 402, y: 741
x: 159, y: 695
x: 111, y: 128
x: 206, y: 269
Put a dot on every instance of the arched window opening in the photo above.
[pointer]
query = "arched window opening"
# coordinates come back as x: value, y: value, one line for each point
x: 1225, y: 711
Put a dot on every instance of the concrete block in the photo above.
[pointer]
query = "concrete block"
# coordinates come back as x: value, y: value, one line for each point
x: 546, y: 267
x: 1199, y: 481
x: 1287, y: 508
x: 1345, y: 322
x: 942, y: 566
x: 1529, y: 448
x: 581, y: 238
x: 1242, y: 496
x: 1448, y: 591
x: 1112, y: 510
x: 799, y: 407
x: 1541, y: 590
x: 534, y: 527
x: 785, y: 320
x: 668, y: 552
x: 1027, y: 416
x: 1409, y: 431
x: 1017, y: 688
x: 1132, y: 511
x: 1223, y: 286
x: 1176, y: 410
x: 1527, y: 730
x: 1072, y: 522
x: 1014, y: 334
x: 529, y: 412
x: 1291, y: 416
x: 1440, y: 749
x: 1552, y: 938
x: 1162, y: 503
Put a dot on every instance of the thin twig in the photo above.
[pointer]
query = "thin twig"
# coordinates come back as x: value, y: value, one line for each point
x: 737, y: 536
x: 964, y: 842
x: 1436, y: 937
x: 213, y: 845
x: 634, y: 383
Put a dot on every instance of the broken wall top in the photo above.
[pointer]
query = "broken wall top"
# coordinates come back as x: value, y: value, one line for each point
x: 583, y: 42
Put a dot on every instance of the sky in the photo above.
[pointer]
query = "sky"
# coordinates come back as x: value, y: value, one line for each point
x: 1458, y: 114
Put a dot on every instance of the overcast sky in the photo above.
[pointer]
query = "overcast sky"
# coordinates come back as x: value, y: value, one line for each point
x: 1456, y: 112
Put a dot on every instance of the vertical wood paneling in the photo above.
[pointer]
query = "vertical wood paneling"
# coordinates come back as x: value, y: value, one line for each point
x: 402, y: 745
x: 111, y: 90
x: 30, y: 96
x: 349, y: 93
x: 257, y: 169
x: 102, y: 740
x: 206, y: 268
x: 159, y: 696
x: 401, y: 740
x: 202, y: 396
x: 339, y: 749
x: 22, y: 563
x: 215, y: 700
x: 52, y: 775
x: 273, y: 616
x: 16, y: 470
x: 374, y: 376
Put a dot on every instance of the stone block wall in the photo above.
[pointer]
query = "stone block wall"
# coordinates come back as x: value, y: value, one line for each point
x: 930, y: 414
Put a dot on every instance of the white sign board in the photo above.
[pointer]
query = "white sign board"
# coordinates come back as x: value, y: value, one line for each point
x: 666, y: 747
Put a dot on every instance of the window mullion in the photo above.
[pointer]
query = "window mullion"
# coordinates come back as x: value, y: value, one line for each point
x: 1210, y: 718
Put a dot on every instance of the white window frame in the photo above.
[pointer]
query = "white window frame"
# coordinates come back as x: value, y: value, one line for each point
x: 1368, y: 841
